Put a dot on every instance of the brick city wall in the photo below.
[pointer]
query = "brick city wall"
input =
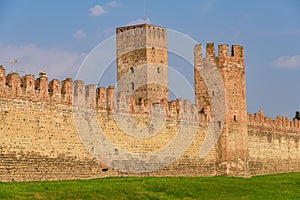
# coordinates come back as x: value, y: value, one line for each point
x: 39, y: 140
x: 273, y: 144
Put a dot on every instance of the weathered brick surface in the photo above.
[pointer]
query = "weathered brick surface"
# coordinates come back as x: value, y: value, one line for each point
x: 273, y: 144
x: 232, y: 146
x: 142, y: 62
x: 39, y: 142
x: 39, y: 138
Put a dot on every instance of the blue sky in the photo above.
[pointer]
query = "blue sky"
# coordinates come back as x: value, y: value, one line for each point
x: 55, y: 36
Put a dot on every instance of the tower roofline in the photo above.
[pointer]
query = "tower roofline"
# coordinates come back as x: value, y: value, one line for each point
x: 142, y: 25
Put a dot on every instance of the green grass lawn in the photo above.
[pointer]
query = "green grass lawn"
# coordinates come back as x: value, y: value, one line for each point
x: 282, y: 186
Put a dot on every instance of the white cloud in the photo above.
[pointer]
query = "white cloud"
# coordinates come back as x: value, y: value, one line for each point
x: 33, y: 59
x: 79, y: 34
x: 97, y: 10
x: 287, y: 62
x: 140, y: 21
x: 113, y: 4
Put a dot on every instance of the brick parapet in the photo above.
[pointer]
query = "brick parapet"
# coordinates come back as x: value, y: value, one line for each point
x: 236, y: 53
x: 76, y: 93
x: 281, y: 123
x: 12, y: 86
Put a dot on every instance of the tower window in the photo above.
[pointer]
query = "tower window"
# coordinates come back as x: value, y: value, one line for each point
x: 134, y: 31
x: 132, y: 86
x: 121, y: 33
x: 234, y: 118
x: 158, y: 70
x: 132, y: 70
x: 141, y: 30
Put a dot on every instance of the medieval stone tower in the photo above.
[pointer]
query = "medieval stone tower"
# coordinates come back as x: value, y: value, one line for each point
x: 142, y: 62
x: 41, y: 121
x: 232, y: 145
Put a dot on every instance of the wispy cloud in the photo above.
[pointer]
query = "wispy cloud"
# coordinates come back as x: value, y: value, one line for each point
x: 79, y: 34
x: 140, y: 21
x: 287, y: 62
x: 113, y: 4
x: 33, y: 59
x: 97, y: 10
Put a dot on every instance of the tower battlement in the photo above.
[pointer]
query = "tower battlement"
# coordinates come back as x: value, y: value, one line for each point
x: 234, y: 54
x: 140, y: 36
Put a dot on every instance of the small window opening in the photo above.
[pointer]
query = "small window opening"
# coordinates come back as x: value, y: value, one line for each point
x: 158, y: 33
x: 121, y: 33
x: 132, y: 86
x: 140, y: 101
x: 234, y: 118
x: 132, y: 70
x: 213, y: 93
x: 220, y: 124
x: 134, y: 31
x: 158, y: 70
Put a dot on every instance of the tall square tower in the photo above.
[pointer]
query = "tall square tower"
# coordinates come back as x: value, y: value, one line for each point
x: 142, y: 62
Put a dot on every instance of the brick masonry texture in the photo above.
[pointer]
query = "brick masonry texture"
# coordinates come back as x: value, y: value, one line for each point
x: 39, y: 138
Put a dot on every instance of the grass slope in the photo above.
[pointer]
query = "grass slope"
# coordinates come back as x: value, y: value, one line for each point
x: 281, y: 186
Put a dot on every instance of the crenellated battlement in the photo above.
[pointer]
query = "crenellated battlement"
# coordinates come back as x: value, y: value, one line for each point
x: 280, y: 123
x: 38, y: 90
x: 77, y: 93
x: 108, y: 100
x: 149, y: 30
x: 130, y: 38
x: 234, y: 54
